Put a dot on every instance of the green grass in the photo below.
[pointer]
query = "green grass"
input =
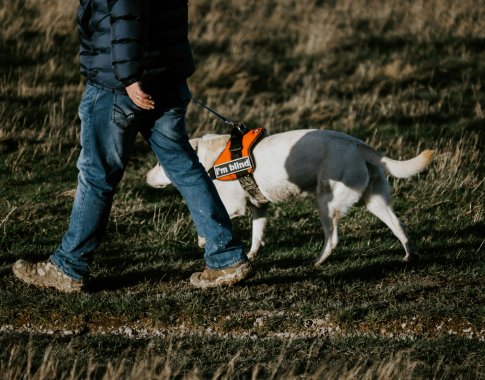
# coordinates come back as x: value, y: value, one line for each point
x: 401, y: 76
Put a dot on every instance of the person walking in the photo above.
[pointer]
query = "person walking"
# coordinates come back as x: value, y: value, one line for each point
x: 136, y: 57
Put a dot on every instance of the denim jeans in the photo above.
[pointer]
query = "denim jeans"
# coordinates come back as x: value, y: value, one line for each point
x: 110, y: 122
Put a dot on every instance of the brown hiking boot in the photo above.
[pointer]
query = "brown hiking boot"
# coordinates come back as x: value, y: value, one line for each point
x: 210, y: 278
x: 45, y: 275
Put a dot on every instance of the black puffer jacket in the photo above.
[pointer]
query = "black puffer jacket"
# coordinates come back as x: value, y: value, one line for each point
x: 124, y: 41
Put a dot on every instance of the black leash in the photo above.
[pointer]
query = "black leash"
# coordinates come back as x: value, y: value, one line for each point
x: 223, y: 118
x: 241, y: 127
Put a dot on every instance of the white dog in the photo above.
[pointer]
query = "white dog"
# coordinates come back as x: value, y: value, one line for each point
x: 337, y: 168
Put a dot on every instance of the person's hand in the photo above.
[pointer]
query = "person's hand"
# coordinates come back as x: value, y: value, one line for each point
x: 139, y: 97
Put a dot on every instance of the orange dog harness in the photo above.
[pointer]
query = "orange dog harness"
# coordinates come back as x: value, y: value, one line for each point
x: 236, y: 159
x: 237, y: 162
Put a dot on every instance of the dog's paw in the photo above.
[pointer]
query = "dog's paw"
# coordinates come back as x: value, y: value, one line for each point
x: 252, y: 255
x: 321, y: 259
x: 413, y: 256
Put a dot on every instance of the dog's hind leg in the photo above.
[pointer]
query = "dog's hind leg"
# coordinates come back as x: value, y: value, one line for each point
x: 259, y: 225
x: 333, y: 200
x: 377, y: 199
x: 329, y: 224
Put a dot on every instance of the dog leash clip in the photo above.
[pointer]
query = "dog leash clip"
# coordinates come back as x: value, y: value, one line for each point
x: 241, y: 127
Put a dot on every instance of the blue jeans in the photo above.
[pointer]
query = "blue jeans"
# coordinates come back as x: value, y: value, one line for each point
x: 110, y: 122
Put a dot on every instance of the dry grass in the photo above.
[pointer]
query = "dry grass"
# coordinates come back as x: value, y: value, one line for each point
x: 402, y: 75
x: 151, y: 365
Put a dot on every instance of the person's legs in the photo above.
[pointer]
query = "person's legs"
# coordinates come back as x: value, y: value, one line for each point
x: 109, y: 123
x: 108, y: 130
x: 170, y: 142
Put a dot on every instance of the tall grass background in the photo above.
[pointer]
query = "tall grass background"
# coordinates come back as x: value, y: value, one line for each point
x: 401, y: 75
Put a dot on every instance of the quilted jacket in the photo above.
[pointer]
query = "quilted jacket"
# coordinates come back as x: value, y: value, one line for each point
x: 124, y: 41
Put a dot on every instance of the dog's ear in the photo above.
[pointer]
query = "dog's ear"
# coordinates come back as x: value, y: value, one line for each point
x: 209, y: 149
x: 216, y: 144
x: 209, y: 136
x: 194, y: 143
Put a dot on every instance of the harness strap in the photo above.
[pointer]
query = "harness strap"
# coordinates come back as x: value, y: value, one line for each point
x: 237, y: 134
x: 251, y: 187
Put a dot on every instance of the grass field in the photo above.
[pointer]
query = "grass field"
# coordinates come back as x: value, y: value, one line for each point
x: 401, y: 75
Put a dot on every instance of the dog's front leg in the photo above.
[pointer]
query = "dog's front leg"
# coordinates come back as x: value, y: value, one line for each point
x: 259, y: 220
x: 201, y: 241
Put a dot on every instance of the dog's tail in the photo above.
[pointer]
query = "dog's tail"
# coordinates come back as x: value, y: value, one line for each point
x: 398, y: 169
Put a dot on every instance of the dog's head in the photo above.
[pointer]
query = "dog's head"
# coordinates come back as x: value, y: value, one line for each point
x: 156, y: 177
x: 207, y: 148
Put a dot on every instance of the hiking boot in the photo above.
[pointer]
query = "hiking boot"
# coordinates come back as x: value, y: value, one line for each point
x: 210, y: 278
x: 45, y: 275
